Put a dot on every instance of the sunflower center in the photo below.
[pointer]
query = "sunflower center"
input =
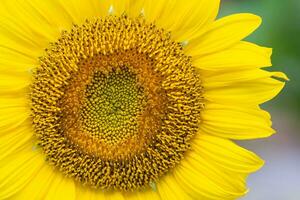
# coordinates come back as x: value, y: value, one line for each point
x: 115, y: 103
x: 112, y: 106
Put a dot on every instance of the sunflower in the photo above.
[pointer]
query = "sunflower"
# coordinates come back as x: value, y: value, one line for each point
x: 129, y: 99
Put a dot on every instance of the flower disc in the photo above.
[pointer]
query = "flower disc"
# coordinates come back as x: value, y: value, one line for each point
x: 115, y: 103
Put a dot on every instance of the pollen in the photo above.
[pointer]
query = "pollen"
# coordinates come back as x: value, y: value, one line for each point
x: 115, y: 103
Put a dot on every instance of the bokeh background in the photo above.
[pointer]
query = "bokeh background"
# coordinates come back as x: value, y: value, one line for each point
x: 279, y: 179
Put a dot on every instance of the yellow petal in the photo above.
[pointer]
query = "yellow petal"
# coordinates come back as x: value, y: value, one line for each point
x: 51, y: 14
x: 38, y: 187
x: 152, y: 11
x: 88, y: 193
x: 144, y: 194
x: 95, y: 194
x: 223, y: 34
x: 13, y: 82
x: 169, y: 188
x: 17, y: 170
x: 226, y: 154
x: 199, y: 184
x: 7, y: 103
x: 114, y: 196
x: 250, y: 92
x: 79, y: 11
x: 24, y: 29
x: 15, y: 127
x: 189, y: 18
x: 183, y: 18
x: 17, y: 46
x: 24, y: 33
x: 61, y: 187
x: 217, y: 79
x: 235, y: 122
x: 243, y: 55
x: 83, y: 10
x: 15, y: 141
x: 47, y: 184
x: 8, y: 129
x: 216, y: 168
x: 13, y: 118
x: 148, y: 195
x: 229, y: 185
x: 14, y: 61
x: 133, y: 8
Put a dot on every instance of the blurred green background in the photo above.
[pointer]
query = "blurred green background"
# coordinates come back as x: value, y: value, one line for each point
x: 279, y: 179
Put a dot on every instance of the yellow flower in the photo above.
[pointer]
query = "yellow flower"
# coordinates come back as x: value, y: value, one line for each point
x: 129, y: 99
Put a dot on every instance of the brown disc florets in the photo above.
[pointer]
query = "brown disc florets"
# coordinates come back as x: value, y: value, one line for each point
x: 115, y: 103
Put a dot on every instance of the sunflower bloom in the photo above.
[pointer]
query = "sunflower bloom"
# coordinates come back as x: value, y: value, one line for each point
x: 133, y: 99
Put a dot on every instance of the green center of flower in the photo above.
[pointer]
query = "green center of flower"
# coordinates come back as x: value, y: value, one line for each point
x: 112, y: 106
x: 115, y: 103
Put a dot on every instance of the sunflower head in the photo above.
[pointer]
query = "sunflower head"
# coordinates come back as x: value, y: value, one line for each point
x: 131, y: 98
x: 123, y: 103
